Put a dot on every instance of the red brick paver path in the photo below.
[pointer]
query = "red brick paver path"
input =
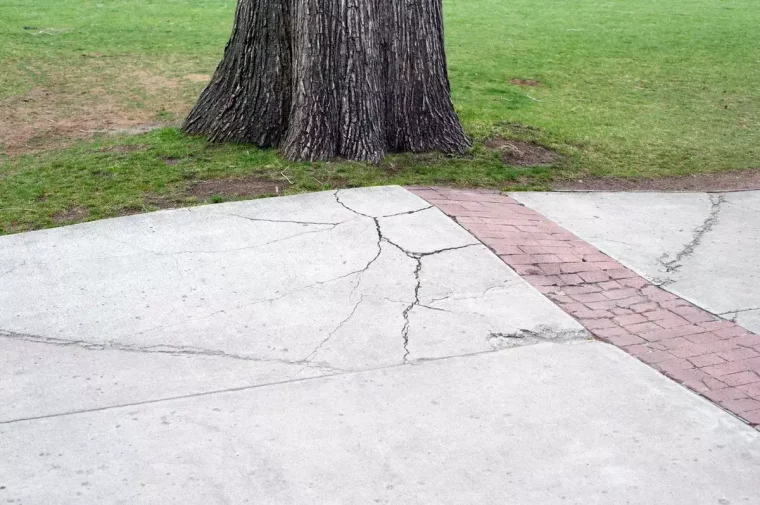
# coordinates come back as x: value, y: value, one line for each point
x: 714, y: 357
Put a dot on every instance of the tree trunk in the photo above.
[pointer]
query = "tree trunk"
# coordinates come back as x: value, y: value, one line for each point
x: 327, y: 78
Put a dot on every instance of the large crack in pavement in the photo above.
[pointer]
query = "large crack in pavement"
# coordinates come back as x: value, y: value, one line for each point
x: 541, y: 333
x: 698, y: 234
x: 417, y: 257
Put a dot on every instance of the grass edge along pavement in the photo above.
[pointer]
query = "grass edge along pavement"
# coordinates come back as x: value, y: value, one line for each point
x: 622, y: 89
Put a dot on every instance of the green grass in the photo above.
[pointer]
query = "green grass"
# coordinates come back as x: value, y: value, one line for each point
x: 628, y: 88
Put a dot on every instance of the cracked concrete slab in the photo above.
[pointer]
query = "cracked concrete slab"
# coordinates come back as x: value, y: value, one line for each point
x: 246, y: 293
x: 551, y: 424
x: 342, y: 347
x: 701, y: 247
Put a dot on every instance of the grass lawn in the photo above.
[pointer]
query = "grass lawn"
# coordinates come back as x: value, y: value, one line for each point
x: 625, y: 88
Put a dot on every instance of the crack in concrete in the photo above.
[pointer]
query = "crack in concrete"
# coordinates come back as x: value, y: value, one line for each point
x: 417, y: 257
x: 173, y: 350
x: 409, y: 212
x: 734, y: 314
x: 257, y: 219
x: 699, y: 232
x: 13, y: 269
x: 536, y: 335
x: 308, y: 359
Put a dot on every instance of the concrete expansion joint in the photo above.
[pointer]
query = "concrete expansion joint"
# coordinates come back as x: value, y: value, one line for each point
x: 173, y: 350
x: 305, y: 223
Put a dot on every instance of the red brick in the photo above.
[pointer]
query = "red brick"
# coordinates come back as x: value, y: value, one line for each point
x: 737, y: 354
x: 621, y: 273
x: 571, y: 259
x: 577, y: 290
x: 691, y: 374
x: 727, y: 368
x: 740, y: 379
x: 541, y: 249
x: 662, y: 333
x: 752, y: 417
x: 672, y: 344
x: 689, y: 350
x: 527, y: 269
x: 549, y: 268
x: 628, y: 320
x: 736, y: 331
x: 574, y: 268
x: 699, y: 317
x: 696, y: 385
x: 717, y: 325
x: 657, y: 315
x: 620, y: 294
x: 719, y: 395
x: 541, y: 280
x: 643, y: 328
x: 706, y: 360
x: 673, y: 322
x: 652, y: 357
x: 634, y: 282
x: 561, y: 299
x: 594, y: 276
x: 574, y: 307
x: 603, y: 305
x: 571, y: 279
x: 593, y: 314
x: 644, y: 307
x: 675, y: 364
x: 597, y: 325
x: 503, y: 247
x: 629, y: 302
x: 747, y: 340
x: 612, y: 331
x: 752, y: 389
x: 675, y: 303
x: 519, y: 259
x: 608, y: 265
x: 621, y: 312
x: 656, y: 294
x: 596, y: 257
x: 625, y: 340
x: 589, y: 297
x: 713, y: 383
x: 610, y: 285
x: 702, y: 338
x: 741, y: 405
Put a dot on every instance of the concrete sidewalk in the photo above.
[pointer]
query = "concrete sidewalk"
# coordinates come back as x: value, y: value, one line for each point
x: 347, y: 347
x: 701, y: 247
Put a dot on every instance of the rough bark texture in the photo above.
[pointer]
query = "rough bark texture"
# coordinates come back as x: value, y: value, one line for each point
x: 327, y: 78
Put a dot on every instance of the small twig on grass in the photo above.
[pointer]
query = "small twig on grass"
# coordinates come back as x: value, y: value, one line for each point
x: 286, y: 177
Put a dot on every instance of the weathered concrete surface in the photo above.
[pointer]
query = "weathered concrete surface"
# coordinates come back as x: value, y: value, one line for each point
x: 702, y: 247
x: 195, y: 300
x: 577, y: 423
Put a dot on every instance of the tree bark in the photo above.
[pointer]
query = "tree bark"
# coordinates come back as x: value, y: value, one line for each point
x: 327, y: 78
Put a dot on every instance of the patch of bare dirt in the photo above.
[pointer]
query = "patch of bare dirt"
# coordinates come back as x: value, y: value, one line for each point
x: 71, y: 215
x: 236, y: 187
x: 121, y: 149
x: 44, y: 119
x: 524, y: 82
x: 520, y: 153
x: 198, y: 77
x: 737, y: 180
x: 153, y: 82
